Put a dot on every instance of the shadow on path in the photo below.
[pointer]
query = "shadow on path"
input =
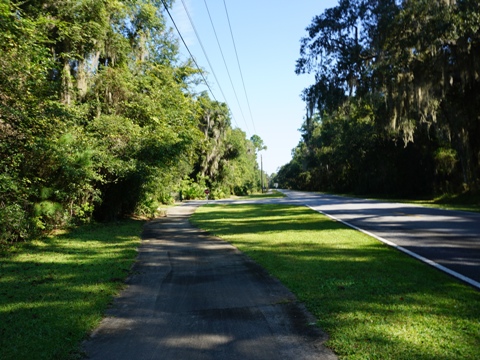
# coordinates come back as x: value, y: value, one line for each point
x: 194, y: 296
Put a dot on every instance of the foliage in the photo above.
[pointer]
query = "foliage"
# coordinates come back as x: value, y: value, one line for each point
x: 226, y: 162
x: 258, y: 143
x: 191, y: 190
x: 393, y: 108
x: 98, y: 117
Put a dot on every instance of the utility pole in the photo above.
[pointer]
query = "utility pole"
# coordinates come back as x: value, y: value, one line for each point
x: 261, y: 171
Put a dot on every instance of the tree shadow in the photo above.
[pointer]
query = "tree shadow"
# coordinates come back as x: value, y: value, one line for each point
x: 54, y: 290
x: 358, y: 285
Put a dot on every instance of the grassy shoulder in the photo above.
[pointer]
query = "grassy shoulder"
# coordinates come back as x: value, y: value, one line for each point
x: 267, y: 195
x: 459, y: 202
x: 55, y: 290
x: 373, y: 301
x: 462, y: 202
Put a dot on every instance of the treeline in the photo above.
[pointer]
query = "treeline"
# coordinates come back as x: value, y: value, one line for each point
x: 99, y: 118
x: 395, y: 107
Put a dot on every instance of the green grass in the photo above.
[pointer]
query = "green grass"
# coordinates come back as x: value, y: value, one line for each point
x: 461, y: 202
x: 269, y: 195
x: 55, y: 290
x: 373, y: 301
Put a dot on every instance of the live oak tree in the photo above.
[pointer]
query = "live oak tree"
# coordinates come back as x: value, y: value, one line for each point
x: 396, y: 78
x: 226, y: 160
x: 98, y: 116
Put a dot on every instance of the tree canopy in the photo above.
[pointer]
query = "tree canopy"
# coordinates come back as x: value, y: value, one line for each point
x: 394, y: 107
x: 99, y: 118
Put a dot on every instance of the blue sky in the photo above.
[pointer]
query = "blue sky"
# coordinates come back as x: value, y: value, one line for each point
x: 267, y: 36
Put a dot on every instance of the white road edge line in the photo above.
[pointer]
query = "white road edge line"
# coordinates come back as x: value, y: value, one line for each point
x: 472, y: 282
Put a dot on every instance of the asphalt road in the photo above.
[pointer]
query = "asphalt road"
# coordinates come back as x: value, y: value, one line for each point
x: 450, y: 239
x: 193, y: 296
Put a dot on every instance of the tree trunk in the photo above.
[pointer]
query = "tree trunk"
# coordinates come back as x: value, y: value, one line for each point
x: 81, y: 79
x: 66, y: 95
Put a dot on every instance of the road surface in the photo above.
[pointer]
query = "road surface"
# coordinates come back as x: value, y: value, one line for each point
x: 450, y: 239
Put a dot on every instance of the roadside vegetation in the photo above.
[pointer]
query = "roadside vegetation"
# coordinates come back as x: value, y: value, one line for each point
x: 267, y: 195
x: 393, y: 109
x: 460, y: 202
x: 55, y: 290
x: 373, y: 301
x: 100, y: 119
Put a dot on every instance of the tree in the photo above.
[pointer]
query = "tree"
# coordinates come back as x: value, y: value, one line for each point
x: 98, y: 118
x: 101, y: 107
x: 25, y: 115
x: 258, y: 143
x: 225, y: 156
x: 412, y: 64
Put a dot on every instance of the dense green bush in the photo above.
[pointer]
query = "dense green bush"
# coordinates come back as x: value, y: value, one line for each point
x: 98, y: 117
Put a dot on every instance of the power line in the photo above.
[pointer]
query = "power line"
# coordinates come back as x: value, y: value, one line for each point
x: 239, y: 67
x: 192, y: 57
x: 206, y: 56
x: 225, y: 63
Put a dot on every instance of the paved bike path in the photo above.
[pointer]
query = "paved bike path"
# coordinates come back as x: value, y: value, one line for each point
x: 194, y: 296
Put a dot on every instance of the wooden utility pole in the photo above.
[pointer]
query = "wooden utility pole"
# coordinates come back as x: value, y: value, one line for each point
x: 261, y: 171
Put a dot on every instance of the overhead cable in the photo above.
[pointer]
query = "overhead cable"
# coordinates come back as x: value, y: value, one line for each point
x: 206, y: 56
x: 225, y: 63
x: 192, y: 57
x: 239, y: 67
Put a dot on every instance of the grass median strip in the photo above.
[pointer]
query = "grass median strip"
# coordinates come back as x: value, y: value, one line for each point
x: 55, y: 290
x: 373, y: 301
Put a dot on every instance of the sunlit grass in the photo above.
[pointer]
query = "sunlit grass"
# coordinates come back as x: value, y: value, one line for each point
x: 373, y: 301
x: 268, y: 195
x: 54, y: 291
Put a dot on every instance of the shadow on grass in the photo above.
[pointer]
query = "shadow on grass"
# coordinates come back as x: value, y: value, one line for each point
x: 53, y: 291
x: 374, y: 302
x: 247, y: 219
x: 271, y: 195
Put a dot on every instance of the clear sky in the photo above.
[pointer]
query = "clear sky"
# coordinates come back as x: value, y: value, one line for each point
x: 267, y: 37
